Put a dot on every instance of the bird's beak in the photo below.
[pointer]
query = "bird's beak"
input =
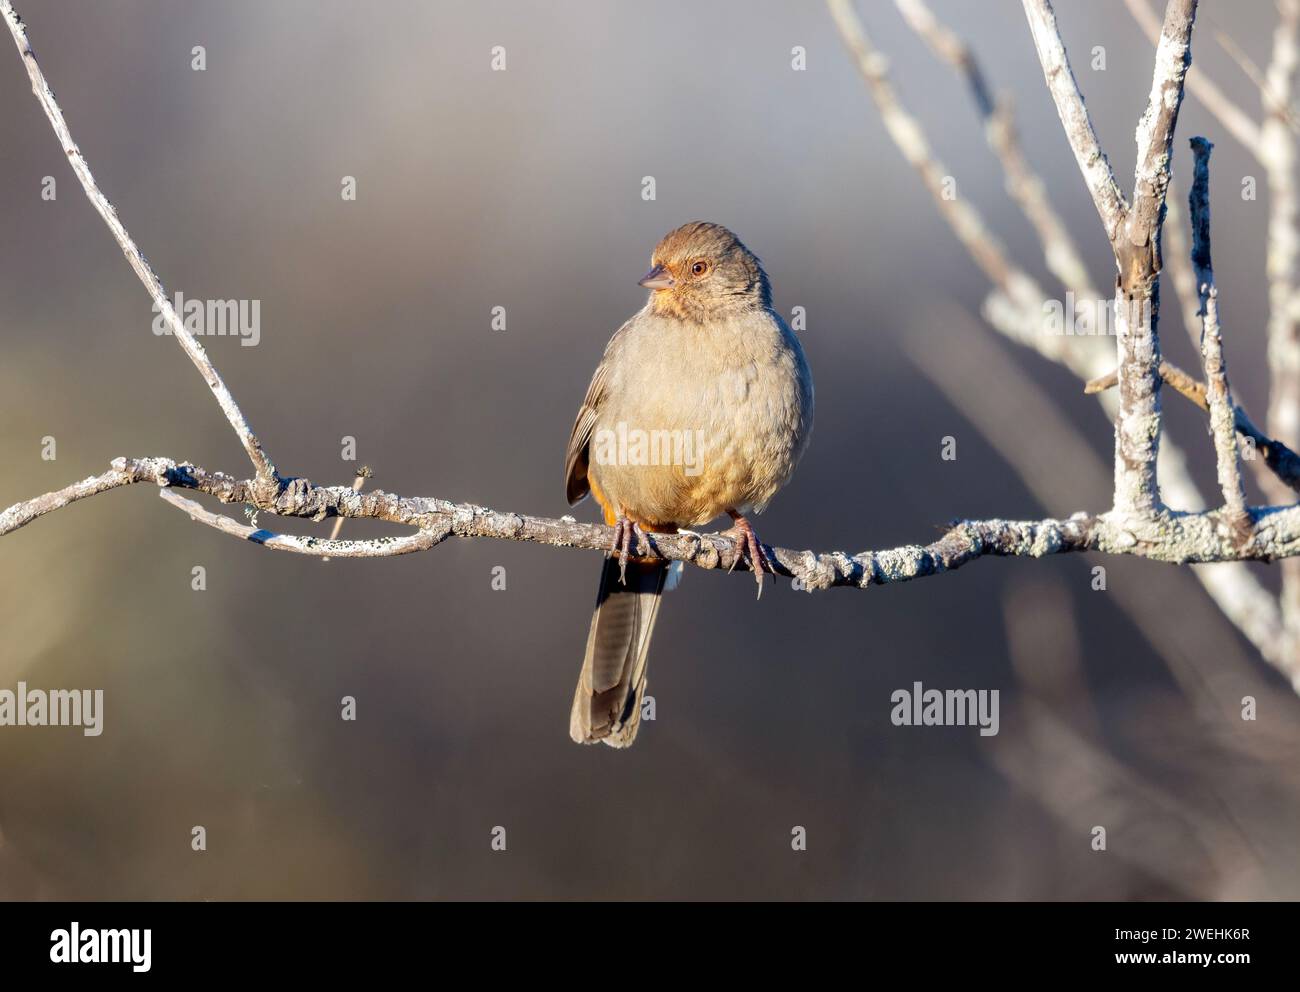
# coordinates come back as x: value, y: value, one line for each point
x: 657, y: 278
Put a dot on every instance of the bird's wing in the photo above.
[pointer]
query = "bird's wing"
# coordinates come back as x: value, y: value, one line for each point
x: 576, y: 485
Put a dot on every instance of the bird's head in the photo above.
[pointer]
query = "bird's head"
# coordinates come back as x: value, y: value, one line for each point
x: 702, y: 270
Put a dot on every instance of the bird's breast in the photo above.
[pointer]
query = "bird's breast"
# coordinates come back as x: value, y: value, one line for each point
x: 699, y: 419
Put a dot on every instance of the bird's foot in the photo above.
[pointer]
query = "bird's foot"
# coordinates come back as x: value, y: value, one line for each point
x: 750, y: 548
x: 628, y: 536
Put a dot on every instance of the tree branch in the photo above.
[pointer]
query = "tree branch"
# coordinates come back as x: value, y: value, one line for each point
x: 438, y: 519
x: 1185, y: 538
x: 1134, y: 233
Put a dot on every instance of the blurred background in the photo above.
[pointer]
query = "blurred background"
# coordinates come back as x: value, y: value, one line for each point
x: 522, y: 189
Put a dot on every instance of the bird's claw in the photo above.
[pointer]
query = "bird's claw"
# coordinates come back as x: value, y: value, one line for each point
x: 751, y: 549
x: 627, y: 541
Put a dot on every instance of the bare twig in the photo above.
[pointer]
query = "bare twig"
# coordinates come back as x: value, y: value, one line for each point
x: 358, y: 483
x: 1218, y: 392
x: 1172, y: 375
x: 1018, y: 299
x: 382, y: 547
x: 196, y: 352
x: 1064, y: 88
x: 1281, y: 461
x: 1178, y: 264
x: 1234, y: 120
x: 967, y: 224
x: 1022, y: 183
x: 1277, y: 152
x: 951, y: 48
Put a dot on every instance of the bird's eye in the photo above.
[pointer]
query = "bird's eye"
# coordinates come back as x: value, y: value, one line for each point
x: 699, y: 268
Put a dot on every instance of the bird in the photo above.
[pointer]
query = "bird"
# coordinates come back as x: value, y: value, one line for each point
x: 701, y: 405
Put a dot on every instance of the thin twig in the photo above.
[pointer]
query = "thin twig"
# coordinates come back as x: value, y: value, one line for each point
x: 191, y: 346
x: 1218, y: 392
x: 966, y: 223
x: 1022, y: 182
x: 1277, y: 150
x: 381, y: 547
x: 1018, y: 293
x: 1178, y: 265
x: 1234, y: 120
x: 358, y: 483
x: 1064, y: 88
x: 1281, y: 461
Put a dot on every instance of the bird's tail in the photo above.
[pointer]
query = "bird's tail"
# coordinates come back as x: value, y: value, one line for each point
x: 607, y: 702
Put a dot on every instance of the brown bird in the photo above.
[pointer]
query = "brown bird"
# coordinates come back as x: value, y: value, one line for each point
x: 701, y: 405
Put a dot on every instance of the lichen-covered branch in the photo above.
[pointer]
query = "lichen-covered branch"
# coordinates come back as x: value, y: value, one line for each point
x: 1183, y: 538
x: 1137, y: 255
x: 1134, y: 233
x: 436, y: 519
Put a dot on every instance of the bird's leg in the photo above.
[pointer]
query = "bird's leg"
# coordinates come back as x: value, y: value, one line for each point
x: 628, y: 536
x: 750, y: 547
